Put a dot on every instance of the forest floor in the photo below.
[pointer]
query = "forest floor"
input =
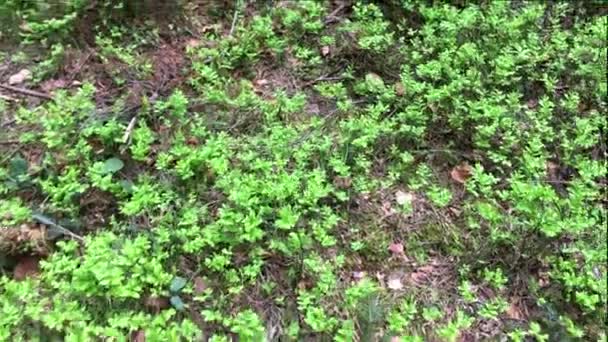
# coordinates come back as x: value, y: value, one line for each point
x: 303, y: 170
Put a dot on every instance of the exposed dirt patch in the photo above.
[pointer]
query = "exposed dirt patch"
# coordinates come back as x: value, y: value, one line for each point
x: 168, y: 62
x: 95, y: 207
x: 30, y: 238
x: 27, y: 267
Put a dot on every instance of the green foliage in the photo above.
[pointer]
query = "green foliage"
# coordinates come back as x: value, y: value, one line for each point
x: 371, y: 29
x: 451, y: 331
x: 259, y: 196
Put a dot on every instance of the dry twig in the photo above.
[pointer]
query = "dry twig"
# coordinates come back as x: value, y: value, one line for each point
x: 26, y: 92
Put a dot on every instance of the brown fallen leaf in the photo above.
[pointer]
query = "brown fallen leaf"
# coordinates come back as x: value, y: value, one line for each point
x: 325, y: 50
x: 460, y: 173
x: 358, y: 275
x: 50, y: 85
x: 396, y: 248
x: 156, y: 303
x: 543, y: 279
x: 27, y: 267
x: 399, y: 89
x: 199, y: 285
x: 387, y: 208
x: 193, y: 43
x: 343, y: 182
x: 394, y: 282
x: 421, y: 274
x: 532, y: 103
x: 20, y: 77
x: 514, y: 312
x: 402, y: 197
x: 552, y: 170
x: 138, y: 336
x: 261, y: 82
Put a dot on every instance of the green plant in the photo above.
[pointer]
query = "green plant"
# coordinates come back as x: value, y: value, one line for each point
x: 298, y: 160
x: 370, y: 27
x: 493, y: 308
x: 451, y: 331
x: 402, y: 316
x: 431, y: 314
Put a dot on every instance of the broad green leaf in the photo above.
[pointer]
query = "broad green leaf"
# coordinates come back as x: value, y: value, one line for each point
x: 113, y: 165
x: 177, y: 284
x: 18, y: 166
x: 177, y: 303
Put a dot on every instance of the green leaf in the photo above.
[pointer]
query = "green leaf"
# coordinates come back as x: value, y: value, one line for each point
x: 177, y: 303
x: 112, y: 165
x: 177, y: 284
x: 18, y: 166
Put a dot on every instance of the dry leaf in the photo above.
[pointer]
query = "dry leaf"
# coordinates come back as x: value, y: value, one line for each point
x: 358, y: 275
x: 396, y: 248
x: 156, y: 303
x: 399, y: 89
x: 456, y: 212
x: 387, y: 208
x: 403, y: 197
x: 199, y: 285
x: 552, y: 170
x: 460, y: 173
x: 514, y: 312
x: 312, y: 108
x: 342, y: 182
x: 20, y: 77
x: 138, y: 336
x: 543, y: 279
x: 193, y: 43
x: 394, y: 283
x: 532, y: 103
x: 27, y: 267
x: 422, y: 273
x: 50, y: 85
x: 325, y: 50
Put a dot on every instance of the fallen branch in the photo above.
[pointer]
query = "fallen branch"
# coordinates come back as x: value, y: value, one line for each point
x: 332, y: 17
x: 8, y: 98
x: 46, y: 221
x: 8, y: 123
x: 26, y: 92
x: 233, y: 26
x: 79, y: 67
x: 129, y: 130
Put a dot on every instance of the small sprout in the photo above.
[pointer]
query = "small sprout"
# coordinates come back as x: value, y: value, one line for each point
x: 177, y: 284
x: 112, y: 165
x: 177, y: 303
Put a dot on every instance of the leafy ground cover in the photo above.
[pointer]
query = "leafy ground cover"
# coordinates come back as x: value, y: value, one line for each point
x: 303, y: 171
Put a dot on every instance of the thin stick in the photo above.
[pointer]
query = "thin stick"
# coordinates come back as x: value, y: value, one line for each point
x: 7, y: 98
x: 42, y: 219
x: 236, y: 15
x: 8, y: 123
x: 129, y: 129
x: 80, y: 66
x: 26, y: 92
x: 331, y: 17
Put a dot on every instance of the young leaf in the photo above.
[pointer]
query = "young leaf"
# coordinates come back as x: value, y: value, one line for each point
x: 18, y: 166
x: 112, y: 165
x: 177, y: 303
x: 177, y: 284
